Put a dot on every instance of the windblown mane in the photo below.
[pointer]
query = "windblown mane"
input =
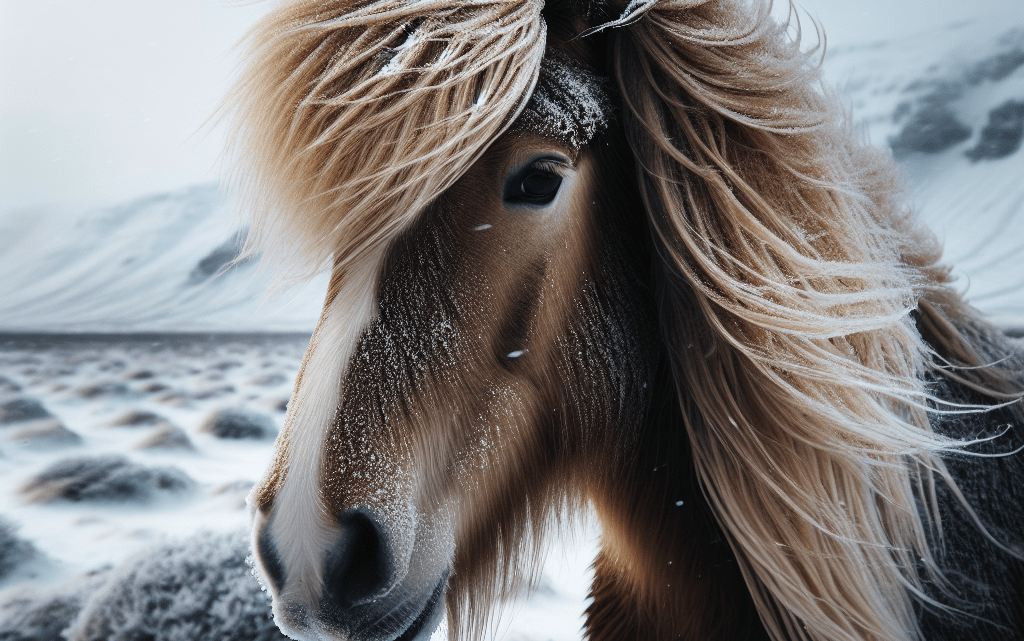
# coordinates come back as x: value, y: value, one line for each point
x: 792, y: 272
x: 354, y: 115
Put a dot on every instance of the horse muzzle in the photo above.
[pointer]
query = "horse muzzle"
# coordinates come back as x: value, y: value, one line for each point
x: 362, y: 591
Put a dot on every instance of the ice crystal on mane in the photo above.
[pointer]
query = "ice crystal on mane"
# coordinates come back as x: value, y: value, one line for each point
x: 569, y: 102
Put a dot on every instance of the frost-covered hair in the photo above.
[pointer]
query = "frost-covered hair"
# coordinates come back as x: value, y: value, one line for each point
x: 794, y: 272
x: 569, y: 103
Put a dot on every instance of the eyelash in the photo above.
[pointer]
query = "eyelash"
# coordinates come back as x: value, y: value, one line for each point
x: 549, y: 165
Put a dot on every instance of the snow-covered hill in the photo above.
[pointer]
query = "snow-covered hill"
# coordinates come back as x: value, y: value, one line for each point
x: 156, y: 264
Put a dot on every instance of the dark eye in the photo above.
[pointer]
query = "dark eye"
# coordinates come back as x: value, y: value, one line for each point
x: 535, y: 185
x: 540, y: 185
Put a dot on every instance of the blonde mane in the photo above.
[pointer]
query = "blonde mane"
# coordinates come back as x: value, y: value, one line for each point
x: 354, y: 115
x: 792, y: 270
x: 791, y: 273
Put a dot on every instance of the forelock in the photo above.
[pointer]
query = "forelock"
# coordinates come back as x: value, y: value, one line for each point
x: 569, y: 103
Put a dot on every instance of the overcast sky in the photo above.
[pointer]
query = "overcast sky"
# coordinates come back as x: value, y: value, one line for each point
x: 104, y: 100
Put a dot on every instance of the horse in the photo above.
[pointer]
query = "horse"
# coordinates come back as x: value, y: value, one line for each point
x: 628, y: 258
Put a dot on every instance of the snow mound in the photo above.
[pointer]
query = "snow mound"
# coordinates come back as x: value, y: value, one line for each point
x: 166, y: 437
x: 7, y: 386
x: 136, y: 418
x: 238, y: 423
x: 45, y: 434
x: 196, y: 589
x: 18, y: 410
x: 105, y: 479
x: 14, y: 551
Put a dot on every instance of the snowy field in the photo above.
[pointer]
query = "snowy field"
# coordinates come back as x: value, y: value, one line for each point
x: 111, y: 451
x: 124, y: 461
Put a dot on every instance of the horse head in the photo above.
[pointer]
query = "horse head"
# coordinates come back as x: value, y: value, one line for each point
x: 585, y: 254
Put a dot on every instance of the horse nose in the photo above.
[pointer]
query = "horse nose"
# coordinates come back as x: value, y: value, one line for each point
x: 358, y: 568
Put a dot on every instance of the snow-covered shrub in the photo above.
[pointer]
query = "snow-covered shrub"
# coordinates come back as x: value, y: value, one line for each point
x: 239, y: 423
x: 39, y: 613
x: 22, y: 409
x: 13, y: 550
x: 105, y: 479
x: 166, y: 437
x: 199, y: 589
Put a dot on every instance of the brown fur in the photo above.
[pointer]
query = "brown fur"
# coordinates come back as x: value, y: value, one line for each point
x: 540, y: 407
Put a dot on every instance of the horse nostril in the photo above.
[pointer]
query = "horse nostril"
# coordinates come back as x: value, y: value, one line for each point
x: 358, y: 568
x: 270, y: 560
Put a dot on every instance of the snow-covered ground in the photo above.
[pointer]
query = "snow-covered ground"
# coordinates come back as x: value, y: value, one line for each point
x: 162, y: 264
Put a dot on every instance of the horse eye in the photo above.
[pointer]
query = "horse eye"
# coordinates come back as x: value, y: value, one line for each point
x: 540, y: 186
x: 534, y: 186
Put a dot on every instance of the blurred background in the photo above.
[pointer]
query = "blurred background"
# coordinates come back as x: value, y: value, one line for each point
x: 142, y: 381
